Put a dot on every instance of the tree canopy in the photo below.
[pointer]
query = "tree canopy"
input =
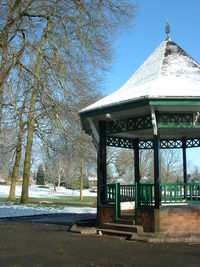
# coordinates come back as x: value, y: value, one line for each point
x: 53, y: 58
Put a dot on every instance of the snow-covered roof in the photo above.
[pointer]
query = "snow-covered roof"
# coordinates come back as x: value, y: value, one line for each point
x: 169, y: 72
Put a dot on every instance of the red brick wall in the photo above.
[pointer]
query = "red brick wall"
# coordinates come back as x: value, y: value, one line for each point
x: 171, y: 219
x: 106, y: 214
x: 145, y: 218
x: 181, y: 219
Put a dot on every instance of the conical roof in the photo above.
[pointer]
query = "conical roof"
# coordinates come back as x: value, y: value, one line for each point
x: 169, y: 72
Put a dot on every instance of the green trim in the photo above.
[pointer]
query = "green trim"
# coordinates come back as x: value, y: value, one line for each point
x: 175, y: 126
x: 131, y: 104
x: 136, y: 201
x: 177, y: 120
x: 117, y: 201
x: 175, y: 102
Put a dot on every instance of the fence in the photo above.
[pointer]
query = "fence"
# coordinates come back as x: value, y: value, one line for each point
x: 143, y: 194
x: 116, y: 193
x: 180, y: 193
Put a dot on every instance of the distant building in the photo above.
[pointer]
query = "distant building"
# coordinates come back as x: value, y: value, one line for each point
x: 92, y: 182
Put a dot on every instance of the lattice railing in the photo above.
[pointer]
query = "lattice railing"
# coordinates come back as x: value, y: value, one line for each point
x: 148, y: 144
x: 129, y: 124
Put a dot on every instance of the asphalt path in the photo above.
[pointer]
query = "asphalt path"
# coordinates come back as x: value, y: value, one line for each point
x: 37, y: 243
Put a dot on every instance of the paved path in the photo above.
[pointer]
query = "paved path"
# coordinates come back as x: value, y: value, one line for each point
x: 25, y: 244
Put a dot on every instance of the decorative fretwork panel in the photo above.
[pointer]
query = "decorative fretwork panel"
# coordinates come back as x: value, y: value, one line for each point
x: 119, y: 142
x: 130, y: 124
x: 194, y: 142
x: 139, y: 123
x: 178, y: 120
x: 146, y: 144
x: 174, y: 143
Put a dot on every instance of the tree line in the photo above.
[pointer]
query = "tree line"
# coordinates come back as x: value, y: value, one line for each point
x: 120, y: 165
x: 53, y: 58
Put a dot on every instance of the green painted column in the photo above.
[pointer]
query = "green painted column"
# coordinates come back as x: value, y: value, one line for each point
x: 184, y: 160
x: 184, y: 166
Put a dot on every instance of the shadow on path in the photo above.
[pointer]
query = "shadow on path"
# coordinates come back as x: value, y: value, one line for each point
x: 66, y: 219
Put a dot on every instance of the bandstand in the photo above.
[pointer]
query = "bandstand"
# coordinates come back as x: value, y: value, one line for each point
x: 157, y: 108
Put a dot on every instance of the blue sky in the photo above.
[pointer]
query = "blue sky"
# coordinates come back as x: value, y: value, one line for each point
x: 148, y: 31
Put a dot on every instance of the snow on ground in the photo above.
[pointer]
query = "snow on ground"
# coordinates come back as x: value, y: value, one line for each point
x: 9, y: 209
x: 13, y: 210
x: 36, y: 191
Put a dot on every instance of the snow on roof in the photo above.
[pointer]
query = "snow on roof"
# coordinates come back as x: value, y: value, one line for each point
x: 169, y: 72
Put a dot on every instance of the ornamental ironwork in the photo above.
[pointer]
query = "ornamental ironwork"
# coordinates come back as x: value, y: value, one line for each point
x: 178, y: 120
x: 174, y: 143
x: 129, y: 124
x: 119, y: 142
x: 193, y: 142
x: 148, y: 144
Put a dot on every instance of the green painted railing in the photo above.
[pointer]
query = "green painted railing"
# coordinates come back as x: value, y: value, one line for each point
x: 117, y: 193
x: 143, y: 194
x: 110, y: 193
x: 180, y: 192
x: 127, y: 193
x: 124, y: 192
x: 146, y: 194
x: 170, y: 193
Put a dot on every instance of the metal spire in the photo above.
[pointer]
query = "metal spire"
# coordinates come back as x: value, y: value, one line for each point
x: 167, y: 30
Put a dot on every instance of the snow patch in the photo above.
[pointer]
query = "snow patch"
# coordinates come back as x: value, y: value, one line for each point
x: 36, y: 191
x: 9, y: 209
x: 13, y: 210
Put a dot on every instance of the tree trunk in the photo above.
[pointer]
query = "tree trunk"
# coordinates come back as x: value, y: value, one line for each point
x: 31, y: 119
x: 29, y: 143
x: 81, y: 178
x: 18, y: 149
x: 16, y: 165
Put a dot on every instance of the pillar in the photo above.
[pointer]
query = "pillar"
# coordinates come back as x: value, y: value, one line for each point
x: 157, y: 195
x: 184, y: 160
x: 184, y: 166
x: 136, y: 160
x: 101, y: 165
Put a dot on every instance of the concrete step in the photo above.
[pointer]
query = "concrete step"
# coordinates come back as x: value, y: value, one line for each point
x: 125, y: 221
x: 123, y: 227
x: 104, y: 231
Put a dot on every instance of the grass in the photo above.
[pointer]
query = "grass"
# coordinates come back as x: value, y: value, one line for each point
x: 68, y: 200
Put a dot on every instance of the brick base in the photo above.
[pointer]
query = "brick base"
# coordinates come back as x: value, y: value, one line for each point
x: 170, y: 219
x: 181, y: 219
x: 145, y: 218
x: 106, y: 214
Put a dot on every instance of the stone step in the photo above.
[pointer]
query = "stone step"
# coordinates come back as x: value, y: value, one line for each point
x: 125, y: 221
x: 103, y: 231
x: 124, y: 227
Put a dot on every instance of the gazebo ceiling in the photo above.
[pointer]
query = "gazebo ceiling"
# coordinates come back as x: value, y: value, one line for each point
x: 168, y: 81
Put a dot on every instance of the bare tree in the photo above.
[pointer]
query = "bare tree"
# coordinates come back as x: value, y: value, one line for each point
x: 64, y: 47
x: 170, y: 166
x: 12, y: 40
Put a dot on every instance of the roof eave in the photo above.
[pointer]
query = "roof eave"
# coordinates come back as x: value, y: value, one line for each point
x: 144, y: 101
x: 119, y: 106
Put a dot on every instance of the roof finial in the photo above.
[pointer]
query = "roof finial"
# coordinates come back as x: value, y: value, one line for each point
x: 167, y: 29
